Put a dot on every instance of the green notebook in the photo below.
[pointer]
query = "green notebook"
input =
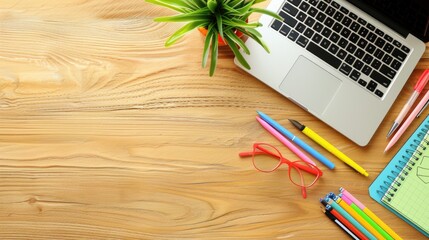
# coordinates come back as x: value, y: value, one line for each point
x: 408, y: 193
x: 403, y: 185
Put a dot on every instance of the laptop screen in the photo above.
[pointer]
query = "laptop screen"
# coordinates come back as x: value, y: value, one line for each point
x: 412, y: 15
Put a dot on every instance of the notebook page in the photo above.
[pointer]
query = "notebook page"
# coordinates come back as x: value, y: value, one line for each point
x: 409, y: 193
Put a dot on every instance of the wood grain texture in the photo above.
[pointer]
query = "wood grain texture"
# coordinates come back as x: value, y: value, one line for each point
x: 107, y: 134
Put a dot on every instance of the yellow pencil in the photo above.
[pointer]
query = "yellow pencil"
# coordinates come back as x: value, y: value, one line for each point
x: 325, y: 144
x: 358, y: 218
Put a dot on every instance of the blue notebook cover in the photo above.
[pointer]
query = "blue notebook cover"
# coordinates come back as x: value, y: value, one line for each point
x: 381, y: 184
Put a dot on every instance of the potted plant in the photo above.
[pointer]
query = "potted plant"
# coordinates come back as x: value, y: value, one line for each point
x: 222, y: 21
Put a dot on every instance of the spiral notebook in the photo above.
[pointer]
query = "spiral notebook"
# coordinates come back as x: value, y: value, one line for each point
x: 403, y: 185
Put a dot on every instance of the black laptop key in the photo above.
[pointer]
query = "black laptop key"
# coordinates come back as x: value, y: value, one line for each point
x: 353, y: 16
x: 295, y: 2
x: 276, y: 25
x: 291, y: 10
x: 345, y: 69
x: 379, y: 32
x: 322, y: 6
x: 320, y: 17
x: 301, y: 16
x: 304, y: 6
x: 350, y: 59
x: 371, y: 86
x: 358, y: 65
x: 338, y: 16
x: 355, y: 26
x: 312, y: 11
x: 329, y: 22
x: 354, y: 37
x: 317, y: 38
x: 388, y: 48
x: 362, y: 82
x: 325, y: 43
x: 288, y: 19
x: 309, y: 32
x: 390, y: 73
x: 343, y: 42
x: 351, y: 48
x: 341, y: 54
x: 380, y: 78
x: 293, y: 35
x: 399, y: 54
x: 363, y: 32
x: 371, y: 37
x: 285, y: 30
x: 300, y: 27
x: 379, y: 54
x: 318, y: 27
x: 368, y: 58
x: 380, y: 42
x: 379, y: 93
x: 370, y: 26
x: 405, y: 49
x: 370, y: 48
x: 388, y: 38
x: 376, y: 64
x: 396, y: 43
x: 396, y: 64
x: 309, y: 21
x: 334, y: 37
x: 362, y: 21
x: 346, y: 21
x: 355, y: 75
x: 330, y: 11
x: 345, y: 32
x: 366, y: 70
x: 333, y: 49
x: 387, y: 59
x: 326, y: 32
x: 324, y: 55
x: 359, y: 53
x: 337, y: 27
x: 344, y: 10
x: 335, y: 4
x: 362, y: 43
x: 313, y: 2
x: 302, y: 41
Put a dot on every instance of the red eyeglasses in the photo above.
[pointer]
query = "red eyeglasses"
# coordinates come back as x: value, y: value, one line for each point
x: 266, y: 158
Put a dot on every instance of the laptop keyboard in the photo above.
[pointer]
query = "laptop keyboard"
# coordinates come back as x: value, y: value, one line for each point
x: 345, y: 41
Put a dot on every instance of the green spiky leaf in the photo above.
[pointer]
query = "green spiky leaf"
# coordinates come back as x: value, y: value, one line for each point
x: 221, y: 18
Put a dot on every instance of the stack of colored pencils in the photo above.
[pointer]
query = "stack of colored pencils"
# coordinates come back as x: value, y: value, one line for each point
x: 354, y: 218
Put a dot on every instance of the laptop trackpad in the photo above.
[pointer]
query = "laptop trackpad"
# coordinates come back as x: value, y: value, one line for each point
x: 310, y: 85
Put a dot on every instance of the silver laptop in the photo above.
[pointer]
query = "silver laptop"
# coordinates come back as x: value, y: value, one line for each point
x: 345, y: 62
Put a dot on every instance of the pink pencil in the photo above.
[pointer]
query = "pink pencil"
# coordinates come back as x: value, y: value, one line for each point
x: 407, y: 122
x: 283, y: 140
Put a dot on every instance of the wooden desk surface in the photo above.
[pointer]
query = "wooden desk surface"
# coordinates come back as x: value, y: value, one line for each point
x: 107, y: 134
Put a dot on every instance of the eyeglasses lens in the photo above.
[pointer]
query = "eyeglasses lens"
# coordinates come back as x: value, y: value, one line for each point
x: 266, y: 158
x: 301, y: 177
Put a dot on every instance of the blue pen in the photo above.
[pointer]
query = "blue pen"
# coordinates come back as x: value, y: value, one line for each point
x: 296, y: 140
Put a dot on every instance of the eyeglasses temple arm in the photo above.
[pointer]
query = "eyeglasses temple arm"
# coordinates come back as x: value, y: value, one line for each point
x: 245, y: 154
x: 308, y: 169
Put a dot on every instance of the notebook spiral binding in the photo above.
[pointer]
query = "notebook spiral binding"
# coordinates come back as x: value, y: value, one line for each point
x: 404, y: 166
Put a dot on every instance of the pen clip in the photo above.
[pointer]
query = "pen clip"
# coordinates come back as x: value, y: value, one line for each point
x: 423, y: 108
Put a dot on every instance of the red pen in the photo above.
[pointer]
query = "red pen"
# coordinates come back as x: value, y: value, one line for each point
x: 421, y: 83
